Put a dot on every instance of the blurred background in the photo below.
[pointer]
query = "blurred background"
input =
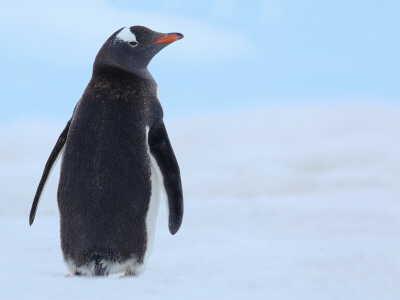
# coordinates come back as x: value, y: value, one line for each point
x: 236, y: 54
x: 284, y: 117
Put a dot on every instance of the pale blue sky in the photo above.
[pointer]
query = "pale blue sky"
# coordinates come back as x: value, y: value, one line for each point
x: 235, y: 54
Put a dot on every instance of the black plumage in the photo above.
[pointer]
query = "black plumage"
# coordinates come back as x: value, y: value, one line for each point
x: 105, y: 184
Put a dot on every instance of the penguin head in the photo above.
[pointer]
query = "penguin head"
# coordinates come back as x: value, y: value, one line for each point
x: 132, y: 48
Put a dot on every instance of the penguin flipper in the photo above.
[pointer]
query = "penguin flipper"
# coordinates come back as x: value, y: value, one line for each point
x: 47, y: 169
x: 161, y: 149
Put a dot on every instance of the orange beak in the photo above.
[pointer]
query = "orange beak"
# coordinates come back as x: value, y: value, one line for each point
x: 170, y: 38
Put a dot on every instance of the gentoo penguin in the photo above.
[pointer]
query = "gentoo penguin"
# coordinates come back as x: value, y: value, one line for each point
x: 116, y: 158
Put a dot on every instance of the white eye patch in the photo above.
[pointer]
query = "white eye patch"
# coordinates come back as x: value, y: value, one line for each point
x: 126, y: 35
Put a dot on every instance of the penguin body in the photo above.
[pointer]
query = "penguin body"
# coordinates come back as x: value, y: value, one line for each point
x: 116, y: 159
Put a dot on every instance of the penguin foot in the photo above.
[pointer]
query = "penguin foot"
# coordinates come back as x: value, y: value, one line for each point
x: 77, y: 273
x: 128, y: 273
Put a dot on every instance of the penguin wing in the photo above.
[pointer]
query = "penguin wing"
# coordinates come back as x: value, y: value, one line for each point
x: 161, y: 149
x: 47, y: 169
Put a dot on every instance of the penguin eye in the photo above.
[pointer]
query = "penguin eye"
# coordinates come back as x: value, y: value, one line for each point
x: 133, y: 43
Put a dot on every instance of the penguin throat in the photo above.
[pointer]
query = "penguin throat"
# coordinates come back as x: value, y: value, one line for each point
x: 114, y: 70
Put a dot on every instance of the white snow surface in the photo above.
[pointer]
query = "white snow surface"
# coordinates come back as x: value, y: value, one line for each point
x: 280, y: 203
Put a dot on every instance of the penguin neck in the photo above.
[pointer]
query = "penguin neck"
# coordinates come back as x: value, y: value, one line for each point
x: 107, y: 81
x: 117, y: 73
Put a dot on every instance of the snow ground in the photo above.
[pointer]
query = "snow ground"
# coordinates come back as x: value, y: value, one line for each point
x: 281, y: 203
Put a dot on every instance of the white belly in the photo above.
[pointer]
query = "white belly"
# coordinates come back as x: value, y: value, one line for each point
x: 151, y: 217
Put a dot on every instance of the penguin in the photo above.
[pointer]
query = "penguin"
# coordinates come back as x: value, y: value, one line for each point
x: 116, y: 160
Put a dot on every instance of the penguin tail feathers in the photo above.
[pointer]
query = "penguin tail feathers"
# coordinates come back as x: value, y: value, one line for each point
x: 99, y: 265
